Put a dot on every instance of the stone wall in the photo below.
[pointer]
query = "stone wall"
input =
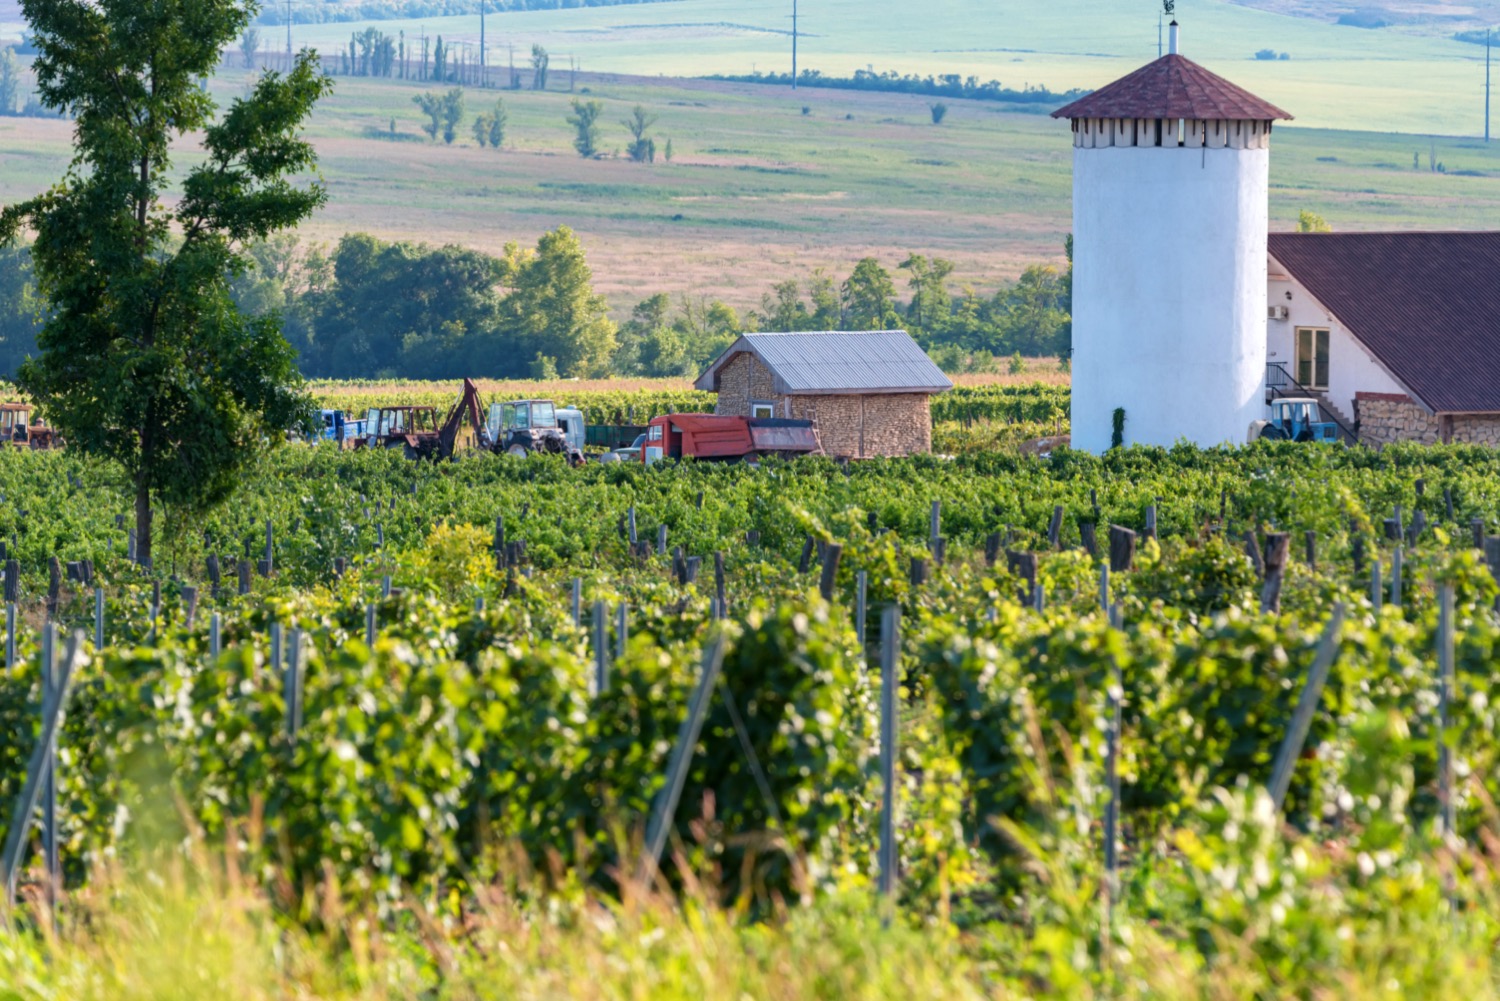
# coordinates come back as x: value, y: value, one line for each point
x: 742, y: 379
x: 1477, y: 429
x: 1388, y: 417
x: 862, y: 427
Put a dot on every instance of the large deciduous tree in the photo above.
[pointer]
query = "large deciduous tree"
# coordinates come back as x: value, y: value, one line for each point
x: 144, y: 356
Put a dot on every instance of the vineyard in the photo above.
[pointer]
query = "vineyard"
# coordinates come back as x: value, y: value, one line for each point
x: 439, y: 718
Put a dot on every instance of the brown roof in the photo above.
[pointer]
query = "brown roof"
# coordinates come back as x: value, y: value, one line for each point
x: 1172, y: 87
x: 1427, y: 305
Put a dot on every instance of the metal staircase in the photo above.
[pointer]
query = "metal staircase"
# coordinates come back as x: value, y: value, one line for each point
x: 1280, y: 384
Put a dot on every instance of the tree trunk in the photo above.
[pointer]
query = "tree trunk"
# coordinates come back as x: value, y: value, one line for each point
x: 142, y: 520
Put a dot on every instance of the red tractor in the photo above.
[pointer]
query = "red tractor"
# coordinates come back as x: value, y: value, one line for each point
x: 716, y: 436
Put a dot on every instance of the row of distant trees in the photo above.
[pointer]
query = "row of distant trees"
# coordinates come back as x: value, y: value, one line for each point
x: 368, y: 308
x: 444, y: 114
x: 306, y: 12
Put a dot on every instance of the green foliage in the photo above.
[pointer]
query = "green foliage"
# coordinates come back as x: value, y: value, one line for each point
x: 552, y: 304
x: 444, y: 112
x: 540, y: 61
x: 10, y: 82
x: 1017, y: 364
x: 489, y: 128
x: 144, y: 357
x: 1311, y: 222
x: 868, y: 296
x: 939, y: 112
x: 585, y: 122
x: 1117, y: 428
x: 642, y: 148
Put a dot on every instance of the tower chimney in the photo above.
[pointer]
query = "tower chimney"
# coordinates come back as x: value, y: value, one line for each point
x: 1172, y: 38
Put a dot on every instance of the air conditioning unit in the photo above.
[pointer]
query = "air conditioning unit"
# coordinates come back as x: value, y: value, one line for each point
x: 1277, y: 313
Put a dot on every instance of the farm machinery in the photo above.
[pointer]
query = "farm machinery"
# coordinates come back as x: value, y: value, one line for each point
x: 727, y: 438
x: 17, y: 430
x: 519, y: 427
x: 1295, y: 418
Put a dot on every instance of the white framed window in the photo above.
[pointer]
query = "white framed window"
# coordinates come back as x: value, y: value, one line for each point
x: 1312, y: 357
x: 762, y: 408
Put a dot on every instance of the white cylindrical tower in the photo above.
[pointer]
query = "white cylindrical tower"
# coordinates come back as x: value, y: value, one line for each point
x: 1171, y: 167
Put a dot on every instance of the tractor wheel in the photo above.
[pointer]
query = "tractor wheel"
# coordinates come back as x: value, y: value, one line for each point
x: 518, y: 450
x: 1272, y: 433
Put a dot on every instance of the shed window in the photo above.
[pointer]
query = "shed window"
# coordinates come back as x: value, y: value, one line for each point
x: 762, y: 408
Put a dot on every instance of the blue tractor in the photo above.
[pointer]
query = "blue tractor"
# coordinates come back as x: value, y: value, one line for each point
x: 1295, y: 418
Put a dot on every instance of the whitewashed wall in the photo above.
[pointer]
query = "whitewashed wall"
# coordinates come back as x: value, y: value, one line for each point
x: 1169, y: 293
x: 1351, y: 368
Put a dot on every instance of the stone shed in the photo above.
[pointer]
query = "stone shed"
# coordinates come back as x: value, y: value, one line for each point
x: 868, y: 394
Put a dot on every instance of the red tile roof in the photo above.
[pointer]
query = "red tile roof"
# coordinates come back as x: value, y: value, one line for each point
x: 1172, y: 87
x: 1427, y: 305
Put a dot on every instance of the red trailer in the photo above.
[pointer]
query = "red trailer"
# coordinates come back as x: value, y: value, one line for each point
x: 713, y: 436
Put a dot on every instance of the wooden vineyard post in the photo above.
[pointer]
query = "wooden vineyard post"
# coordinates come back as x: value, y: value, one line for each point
x: 1312, y: 549
x: 1492, y: 558
x: 991, y: 548
x: 1396, y: 566
x: 54, y: 585
x: 661, y: 540
x: 270, y: 564
x: 719, y: 584
x: 1377, y: 589
x: 804, y: 562
x: 1116, y: 696
x: 1121, y: 549
x: 630, y: 520
x: 215, y: 635
x: 1088, y: 534
x: 577, y: 602
x: 98, y: 618
x: 1054, y: 527
x: 622, y: 629
x: 861, y: 609
x: 244, y: 571
x: 1278, y: 547
x: 1357, y: 550
x: 829, y: 579
x: 601, y: 648
x: 275, y: 664
x: 1445, y: 700
x: 918, y: 571
x: 190, y: 600
x: 385, y: 586
x: 1307, y: 705
x: 1476, y: 532
x: 1252, y: 549
x: 12, y: 582
x: 214, y: 576
x: 292, y: 684
x: 890, y: 658
x: 665, y: 807
x: 1104, y: 587
x: 42, y: 751
x: 1023, y: 565
x: 935, y: 528
x: 1150, y: 531
x: 370, y: 626
x: 10, y: 638
x: 50, y: 689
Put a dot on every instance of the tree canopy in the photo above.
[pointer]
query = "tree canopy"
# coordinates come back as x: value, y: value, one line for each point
x: 144, y: 357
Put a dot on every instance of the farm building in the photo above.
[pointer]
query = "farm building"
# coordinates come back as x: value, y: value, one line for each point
x: 867, y: 394
x: 1190, y: 318
x: 1397, y: 335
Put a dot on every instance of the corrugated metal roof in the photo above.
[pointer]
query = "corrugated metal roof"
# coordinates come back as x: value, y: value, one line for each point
x: 880, y: 361
x: 1173, y: 87
x: 1426, y: 304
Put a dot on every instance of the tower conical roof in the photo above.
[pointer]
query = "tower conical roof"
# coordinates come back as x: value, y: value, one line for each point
x: 1173, y: 87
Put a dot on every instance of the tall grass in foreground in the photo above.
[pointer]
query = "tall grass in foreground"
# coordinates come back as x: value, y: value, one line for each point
x: 1266, y: 917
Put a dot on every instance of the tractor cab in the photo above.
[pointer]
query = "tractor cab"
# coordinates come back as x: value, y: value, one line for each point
x: 1297, y: 418
x: 522, y: 427
x: 15, y: 422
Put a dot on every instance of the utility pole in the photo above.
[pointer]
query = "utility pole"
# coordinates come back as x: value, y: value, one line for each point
x: 1487, y: 33
x: 484, y: 79
x: 794, y: 44
x: 288, y: 36
x: 1158, y: 34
